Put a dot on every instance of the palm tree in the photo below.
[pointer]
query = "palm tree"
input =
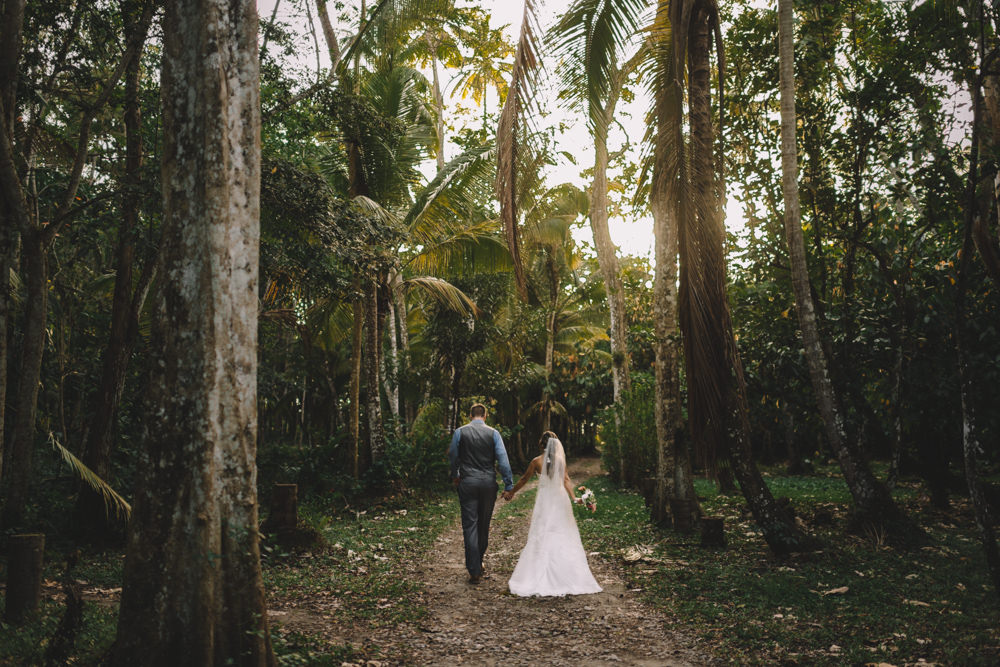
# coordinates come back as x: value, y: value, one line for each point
x: 588, y: 39
x: 717, y: 407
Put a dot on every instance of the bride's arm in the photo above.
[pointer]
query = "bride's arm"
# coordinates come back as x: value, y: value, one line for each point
x: 569, y: 487
x: 532, y: 470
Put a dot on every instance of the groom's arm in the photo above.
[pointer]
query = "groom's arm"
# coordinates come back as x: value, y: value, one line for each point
x: 501, y: 453
x: 453, y: 454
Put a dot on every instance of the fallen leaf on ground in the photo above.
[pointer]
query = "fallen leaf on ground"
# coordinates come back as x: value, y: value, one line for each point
x: 836, y: 591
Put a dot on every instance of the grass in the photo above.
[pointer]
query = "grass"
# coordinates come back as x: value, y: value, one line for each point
x: 358, y: 575
x: 933, y: 603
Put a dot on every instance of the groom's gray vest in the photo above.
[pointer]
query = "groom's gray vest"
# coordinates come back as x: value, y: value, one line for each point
x: 476, y: 452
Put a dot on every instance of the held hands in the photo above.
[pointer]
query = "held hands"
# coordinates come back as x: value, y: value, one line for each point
x: 508, y: 495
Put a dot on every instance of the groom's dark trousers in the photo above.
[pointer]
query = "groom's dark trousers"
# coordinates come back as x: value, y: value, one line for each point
x: 477, y: 498
x: 476, y: 451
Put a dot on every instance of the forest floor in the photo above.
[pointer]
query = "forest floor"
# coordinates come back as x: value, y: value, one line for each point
x: 484, y: 624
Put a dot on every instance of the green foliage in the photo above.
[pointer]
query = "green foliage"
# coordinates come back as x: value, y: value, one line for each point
x: 628, y: 432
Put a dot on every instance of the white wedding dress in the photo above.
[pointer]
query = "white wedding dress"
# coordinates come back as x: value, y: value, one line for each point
x: 553, y: 561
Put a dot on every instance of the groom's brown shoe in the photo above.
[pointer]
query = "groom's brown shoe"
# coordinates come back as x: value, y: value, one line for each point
x: 474, y: 579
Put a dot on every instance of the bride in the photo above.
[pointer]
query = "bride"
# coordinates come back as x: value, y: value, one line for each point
x: 553, y: 561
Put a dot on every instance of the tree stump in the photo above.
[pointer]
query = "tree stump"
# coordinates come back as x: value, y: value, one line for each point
x: 24, y: 576
x: 284, y: 509
x: 712, y: 532
x: 647, y: 487
x: 680, y: 511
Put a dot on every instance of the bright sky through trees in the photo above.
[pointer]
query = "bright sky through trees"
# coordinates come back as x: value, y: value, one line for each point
x: 633, y: 235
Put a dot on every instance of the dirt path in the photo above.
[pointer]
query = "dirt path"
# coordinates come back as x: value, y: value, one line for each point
x: 486, y: 625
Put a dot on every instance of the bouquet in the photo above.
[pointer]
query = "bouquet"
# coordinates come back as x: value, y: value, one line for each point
x: 588, y: 499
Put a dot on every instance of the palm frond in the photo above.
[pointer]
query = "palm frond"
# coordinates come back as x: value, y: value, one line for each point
x: 111, y: 498
x: 455, y: 191
x: 330, y: 321
x: 370, y: 207
x: 474, y: 248
x: 511, y: 136
x: 584, y: 333
x: 588, y: 40
x: 385, y: 23
x: 444, y: 293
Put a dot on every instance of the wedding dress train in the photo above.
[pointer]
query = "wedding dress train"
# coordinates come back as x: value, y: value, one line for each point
x: 553, y: 561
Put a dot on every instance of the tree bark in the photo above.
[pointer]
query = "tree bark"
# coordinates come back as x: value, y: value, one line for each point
x: 357, y: 331
x: 11, y: 25
x: 390, y: 368
x: 332, y: 44
x: 26, y: 554
x: 193, y: 591
x: 873, y: 502
x: 372, y: 354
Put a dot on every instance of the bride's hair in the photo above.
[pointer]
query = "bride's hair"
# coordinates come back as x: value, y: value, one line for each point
x: 548, y: 441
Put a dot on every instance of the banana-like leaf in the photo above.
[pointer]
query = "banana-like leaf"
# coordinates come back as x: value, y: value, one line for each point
x: 111, y: 498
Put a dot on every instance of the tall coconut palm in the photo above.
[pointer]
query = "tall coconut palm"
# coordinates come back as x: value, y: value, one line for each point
x: 588, y: 40
x: 717, y: 406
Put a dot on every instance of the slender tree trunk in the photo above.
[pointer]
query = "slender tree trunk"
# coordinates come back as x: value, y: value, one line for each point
x: 715, y: 372
x: 972, y: 448
x: 11, y: 22
x: 390, y: 368
x: 125, y: 308
x: 332, y: 44
x: 550, y: 347
x: 22, y: 442
x: 873, y: 502
x: 193, y: 592
x: 438, y: 105
x: 607, y: 260
x: 665, y: 232
x: 357, y: 331
x: 372, y: 354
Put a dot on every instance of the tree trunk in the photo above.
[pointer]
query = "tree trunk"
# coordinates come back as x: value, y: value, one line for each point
x: 355, y: 390
x: 667, y: 410
x: 982, y: 506
x: 125, y: 309
x: 193, y: 591
x: 873, y: 503
x: 22, y: 442
x: 390, y: 368
x: 607, y: 260
x: 332, y: 45
x: 717, y: 391
x: 550, y: 347
x: 438, y: 106
x: 11, y: 22
x: 372, y: 352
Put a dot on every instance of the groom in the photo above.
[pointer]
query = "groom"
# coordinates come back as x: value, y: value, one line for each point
x: 474, y: 449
